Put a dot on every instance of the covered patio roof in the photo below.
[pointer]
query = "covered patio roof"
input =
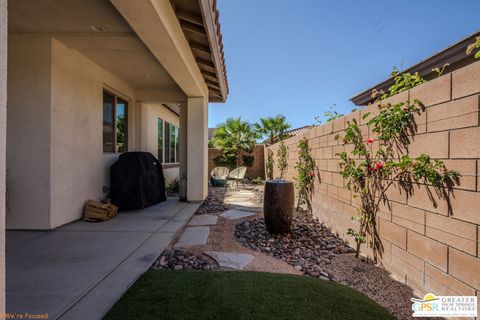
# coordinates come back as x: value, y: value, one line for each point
x: 110, y: 38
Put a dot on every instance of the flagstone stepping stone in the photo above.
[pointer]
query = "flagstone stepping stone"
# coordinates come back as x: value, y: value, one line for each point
x: 242, y: 203
x: 238, y: 199
x: 231, y: 260
x: 193, y: 236
x: 243, y: 192
x: 236, y: 214
x: 251, y: 209
x: 203, y: 220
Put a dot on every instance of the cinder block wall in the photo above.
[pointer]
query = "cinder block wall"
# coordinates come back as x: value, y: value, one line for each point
x: 256, y: 170
x: 426, y: 247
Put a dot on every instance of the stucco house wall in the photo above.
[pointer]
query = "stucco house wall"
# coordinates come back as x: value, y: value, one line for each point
x: 151, y: 112
x: 3, y: 138
x: 78, y: 167
x: 55, y: 113
x: 28, y: 131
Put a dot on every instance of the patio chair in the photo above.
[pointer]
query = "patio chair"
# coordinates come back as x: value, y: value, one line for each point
x: 237, y: 175
x: 219, y: 174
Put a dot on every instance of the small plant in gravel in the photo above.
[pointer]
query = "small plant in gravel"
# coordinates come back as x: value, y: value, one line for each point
x: 282, y: 162
x: 270, y: 164
x: 173, y: 187
x: 370, y: 171
x: 305, y: 179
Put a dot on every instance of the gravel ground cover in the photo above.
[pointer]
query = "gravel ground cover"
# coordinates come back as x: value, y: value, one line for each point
x: 184, y: 260
x: 309, y: 248
x: 214, y: 203
x: 375, y: 282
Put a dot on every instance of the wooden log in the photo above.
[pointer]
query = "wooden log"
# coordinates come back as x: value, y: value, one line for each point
x: 94, y: 209
x: 97, y: 204
x: 278, y: 204
x: 97, y: 211
x: 95, y: 215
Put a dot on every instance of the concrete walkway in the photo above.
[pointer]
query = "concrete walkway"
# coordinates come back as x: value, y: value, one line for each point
x: 80, y: 270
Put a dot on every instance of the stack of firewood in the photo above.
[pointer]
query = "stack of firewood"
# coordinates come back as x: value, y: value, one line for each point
x: 97, y: 211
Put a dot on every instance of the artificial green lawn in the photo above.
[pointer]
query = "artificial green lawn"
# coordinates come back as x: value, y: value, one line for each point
x: 241, y: 295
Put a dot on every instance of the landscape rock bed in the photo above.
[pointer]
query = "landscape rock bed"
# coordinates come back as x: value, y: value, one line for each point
x: 309, y: 248
x: 184, y: 260
x: 374, y: 281
x: 214, y: 203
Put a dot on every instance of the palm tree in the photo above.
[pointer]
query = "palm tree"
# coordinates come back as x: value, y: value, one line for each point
x: 273, y: 127
x: 235, y: 136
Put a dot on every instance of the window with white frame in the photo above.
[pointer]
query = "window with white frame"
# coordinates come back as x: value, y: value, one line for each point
x: 168, y: 142
x: 115, y: 123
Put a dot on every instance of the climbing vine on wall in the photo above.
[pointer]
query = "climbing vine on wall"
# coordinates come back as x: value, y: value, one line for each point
x: 377, y: 163
x: 270, y: 164
x: 305, y: 179
x: 401, y: 82
x: 474, y: 46
x: 282, y: 159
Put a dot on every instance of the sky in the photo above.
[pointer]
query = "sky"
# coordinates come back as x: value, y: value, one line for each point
x: 300, y: 57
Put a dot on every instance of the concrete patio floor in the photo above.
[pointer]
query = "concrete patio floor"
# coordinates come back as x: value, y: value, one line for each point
x: 80, y: 270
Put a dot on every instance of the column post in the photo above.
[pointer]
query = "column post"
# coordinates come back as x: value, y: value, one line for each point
x: 183, y: 151
x: 197, y: 148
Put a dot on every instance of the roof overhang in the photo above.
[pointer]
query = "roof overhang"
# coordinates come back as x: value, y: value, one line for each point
x: 454, y: 55
x: 200, y: 23
x: 184, y: 36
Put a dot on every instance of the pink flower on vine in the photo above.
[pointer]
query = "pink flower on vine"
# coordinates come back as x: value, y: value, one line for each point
x: 370, y: 168
x: 312, y: 174
x: 369, y: 140
x: 379, y: 165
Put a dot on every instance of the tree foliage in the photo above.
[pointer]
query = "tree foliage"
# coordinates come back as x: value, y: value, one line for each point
x: 233, y: 137
x: 273, y: 128
x: 121, y: 133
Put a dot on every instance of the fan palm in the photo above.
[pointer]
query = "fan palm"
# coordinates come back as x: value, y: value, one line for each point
x: 273, y: 128
x: 235, y: 136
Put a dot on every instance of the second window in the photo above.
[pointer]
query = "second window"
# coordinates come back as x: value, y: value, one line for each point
x: 168, y: 142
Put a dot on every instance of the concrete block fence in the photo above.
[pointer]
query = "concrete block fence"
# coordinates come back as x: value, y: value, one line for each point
x: 427, y: 246
x: 256, y: 170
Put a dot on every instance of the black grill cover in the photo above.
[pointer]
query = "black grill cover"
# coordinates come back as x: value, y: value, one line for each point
x: 136, y: 181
